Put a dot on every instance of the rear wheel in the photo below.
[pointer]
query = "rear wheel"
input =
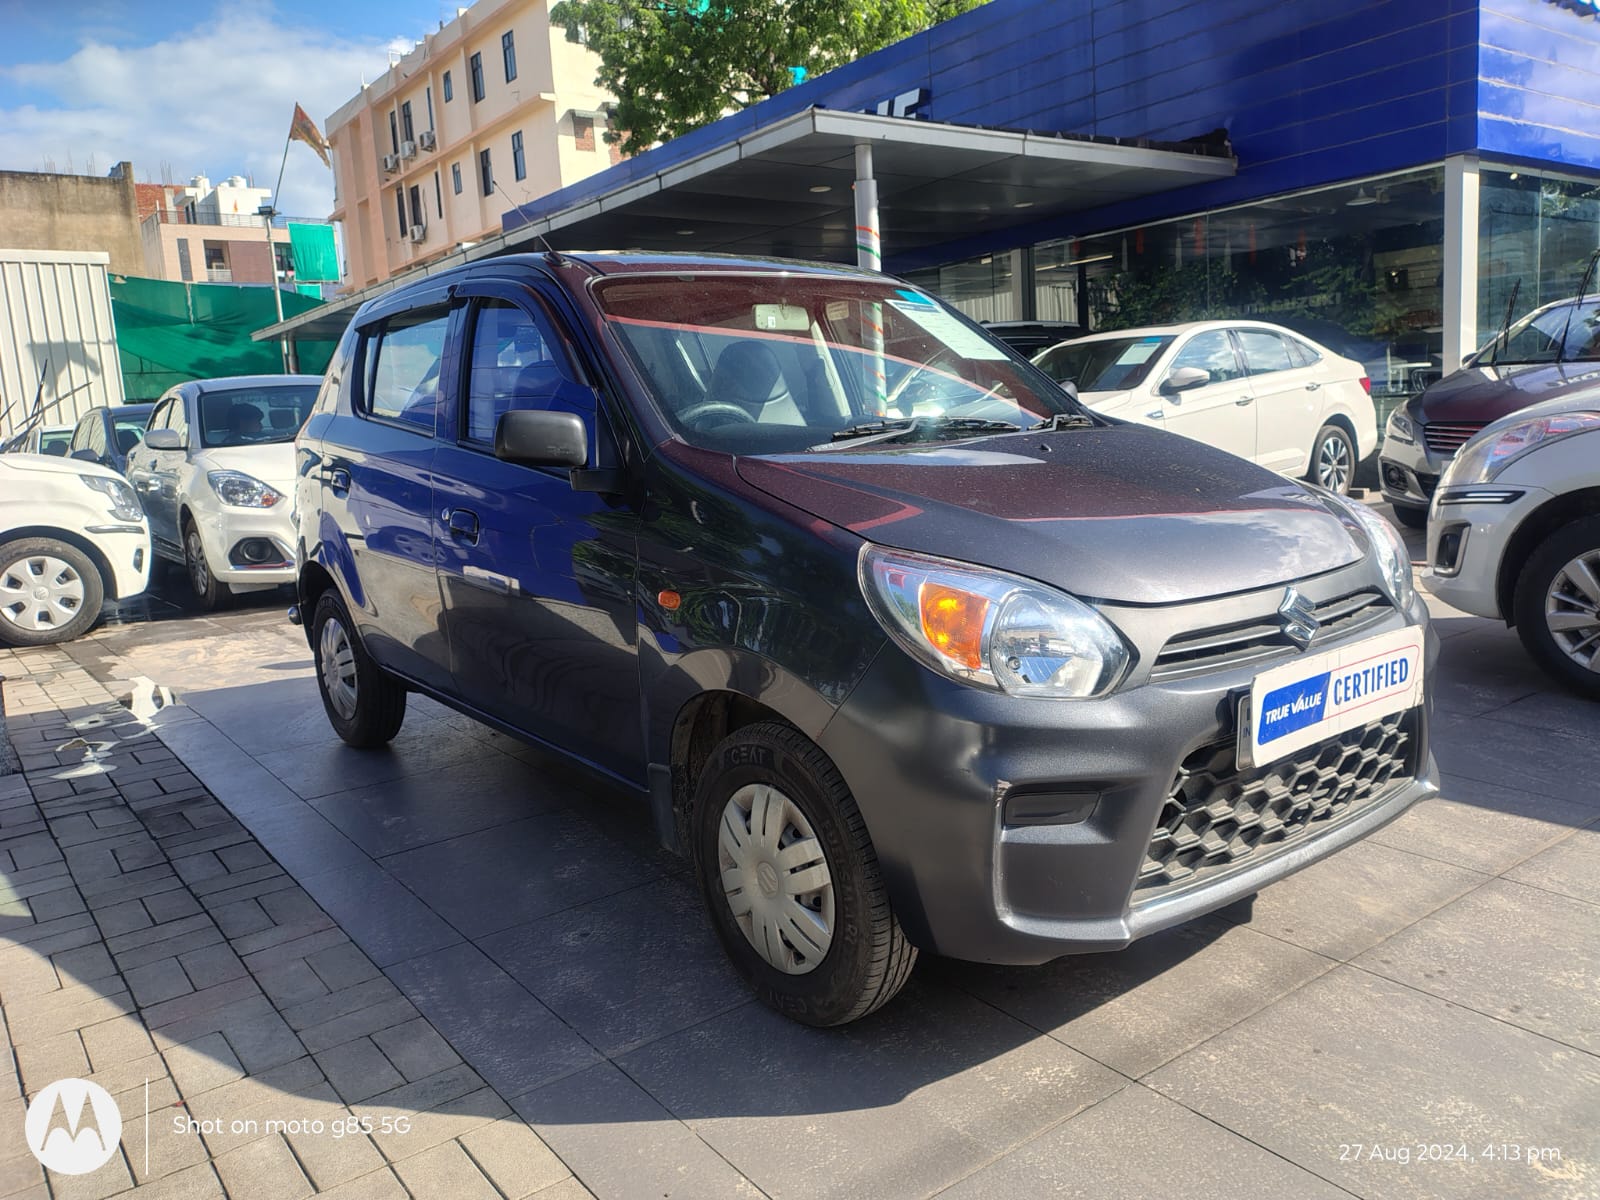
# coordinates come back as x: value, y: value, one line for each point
x: 1557, y: 605
x: 1333, y: 460
x: 1411, y: 518
x: 49, y: 592
x: 791, y: 880
x: 208, y: 589
x: 365, y: 705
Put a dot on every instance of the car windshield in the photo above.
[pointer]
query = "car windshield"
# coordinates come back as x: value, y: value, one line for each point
x: 1106, y: 365
x: 764, y: 363
x: 1538, y: 336
x: 127, y: 430
x: 251, y: 416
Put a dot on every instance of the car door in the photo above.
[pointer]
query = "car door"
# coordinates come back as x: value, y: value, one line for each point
x: 83, y: 439
x: 1217, y: 413
x: 537, y: 576
x: 155, y: 473
x: 1288, y: 407
x: 375, y: 474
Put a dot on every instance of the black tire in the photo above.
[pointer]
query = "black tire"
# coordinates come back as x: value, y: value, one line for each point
x: 29, y: 620
x: 377, y: 704
x: 1411, y: 518
x: 1580, y: 539
x: 1333, y: 460
x: 203, y: 582
x: 868, y: 958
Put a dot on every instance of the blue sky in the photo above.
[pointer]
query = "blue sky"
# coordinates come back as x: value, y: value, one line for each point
x: 190, y: 88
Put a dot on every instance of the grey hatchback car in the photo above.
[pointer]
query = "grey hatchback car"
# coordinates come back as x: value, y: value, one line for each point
x: 904, y: 647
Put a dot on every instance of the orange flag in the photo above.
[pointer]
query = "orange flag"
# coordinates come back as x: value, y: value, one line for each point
x: 304, y: 129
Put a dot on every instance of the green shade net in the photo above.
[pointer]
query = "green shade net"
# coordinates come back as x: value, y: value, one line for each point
x: 169, y: 333
x: 315, y: 259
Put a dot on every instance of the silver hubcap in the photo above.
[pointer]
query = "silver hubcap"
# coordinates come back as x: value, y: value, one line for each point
x: 1333, y: 464
x: 1572, y: 610
x: 40, y: 592
x: 338, y: 669
x: 199, y: 573
x: 776, y: 879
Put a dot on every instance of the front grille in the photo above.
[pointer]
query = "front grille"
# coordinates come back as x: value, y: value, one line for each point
x: 1449, y: 436
x: 1218, y: 818
x: 1258, y: 639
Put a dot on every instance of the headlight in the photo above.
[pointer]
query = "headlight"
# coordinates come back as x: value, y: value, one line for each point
x: 1400, y: 428
x: 1387, y: 547
x: 990, y: 629
x: 241, y: 490
x: 124, y: 503
x: 1485, y: 456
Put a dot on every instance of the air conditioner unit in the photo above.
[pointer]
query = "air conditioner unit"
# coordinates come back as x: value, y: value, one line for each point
x: 427, y: 139
x: 418, y: 232
x: 391, y: 163
x: 408, y: 149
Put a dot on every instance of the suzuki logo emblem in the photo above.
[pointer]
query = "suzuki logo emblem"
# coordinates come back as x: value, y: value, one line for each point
x: 1299, y: 618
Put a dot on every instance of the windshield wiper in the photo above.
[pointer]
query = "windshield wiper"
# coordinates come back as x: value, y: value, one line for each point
x: 1505, y: 325
x: 881, y: 431
x: 1063, y: 420
x: 1583, y: 292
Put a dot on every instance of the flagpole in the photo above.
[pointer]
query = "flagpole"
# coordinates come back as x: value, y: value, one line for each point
x: 272, y: 254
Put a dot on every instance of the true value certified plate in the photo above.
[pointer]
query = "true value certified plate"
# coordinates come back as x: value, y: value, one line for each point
x: 1323, y: 695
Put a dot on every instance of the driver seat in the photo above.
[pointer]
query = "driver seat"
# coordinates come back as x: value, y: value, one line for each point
x: 747, y: 374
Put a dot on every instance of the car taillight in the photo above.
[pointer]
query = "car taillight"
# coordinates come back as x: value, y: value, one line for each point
x: 1366, y: 385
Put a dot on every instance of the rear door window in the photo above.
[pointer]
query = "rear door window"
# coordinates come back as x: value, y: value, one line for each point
x: 1264, y: 351
x: 405, y: 360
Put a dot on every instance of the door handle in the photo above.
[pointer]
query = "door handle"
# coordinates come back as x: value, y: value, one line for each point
x: 339, y: 479
x: 1312, y: 386
x: 1155, y: 414
x: 1243, y: 401
x: 463, y: 524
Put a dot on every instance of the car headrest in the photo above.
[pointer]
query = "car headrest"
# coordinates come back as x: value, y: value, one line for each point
x: 748, y: 373
x: 282, y: 418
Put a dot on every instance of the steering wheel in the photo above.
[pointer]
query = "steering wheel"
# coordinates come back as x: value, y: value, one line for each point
x: 918, y: 374
x: 722, y: 407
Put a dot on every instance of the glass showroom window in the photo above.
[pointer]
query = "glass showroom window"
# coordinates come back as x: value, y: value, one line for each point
x: 1357, y: 268
x: 1535, y: 228
x: 980, y: 287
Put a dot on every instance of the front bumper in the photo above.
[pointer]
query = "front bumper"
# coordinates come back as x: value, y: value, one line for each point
x: 127, y: 548
x: 1467, y: 544
x: 1015, y: 831
x: 1408, y: 473
x: 249, y: 548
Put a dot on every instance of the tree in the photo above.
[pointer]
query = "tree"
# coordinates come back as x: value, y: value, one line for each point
x: 675, y: 65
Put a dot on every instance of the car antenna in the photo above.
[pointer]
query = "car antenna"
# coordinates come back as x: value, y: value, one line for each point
x: 1583, y: 290
x: 1505, y: 324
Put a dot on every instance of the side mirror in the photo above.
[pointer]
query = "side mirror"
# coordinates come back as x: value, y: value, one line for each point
x: 541, y: 438
x: 84, y: 454
x: 163, y: 439
x: 1183, y: 379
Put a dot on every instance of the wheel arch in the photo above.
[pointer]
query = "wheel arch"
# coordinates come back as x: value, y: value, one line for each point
x: 102, y: 564
x: 1530, y: 535
x: 1343, y: 420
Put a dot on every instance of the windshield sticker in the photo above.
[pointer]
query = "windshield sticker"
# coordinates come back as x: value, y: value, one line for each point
x: 1136, y: 353
x: 950, y: 331
x: 916, y: 298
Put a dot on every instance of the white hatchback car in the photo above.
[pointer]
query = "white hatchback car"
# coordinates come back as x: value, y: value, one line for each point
x: 71, y: 536
x: 1252, y: 389
x: 1514, y: 532
x: 215, y: 472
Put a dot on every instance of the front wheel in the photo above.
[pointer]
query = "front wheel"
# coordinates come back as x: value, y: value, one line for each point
x: 1557, y: 605
x: 1333, y: 460
x: 208, y: 589
x: 49, y: 592
x: 365, y: 705
x: 791, y: 879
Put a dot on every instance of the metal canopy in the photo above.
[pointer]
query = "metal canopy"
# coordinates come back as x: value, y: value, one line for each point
x: 786, y: 190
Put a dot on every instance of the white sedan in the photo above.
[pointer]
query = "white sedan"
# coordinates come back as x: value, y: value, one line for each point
x: 71, y: 536
x: 1252, y: 389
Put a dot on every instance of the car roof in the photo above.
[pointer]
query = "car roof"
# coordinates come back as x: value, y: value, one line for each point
x: 250, y: 381
x: 1183, y: 327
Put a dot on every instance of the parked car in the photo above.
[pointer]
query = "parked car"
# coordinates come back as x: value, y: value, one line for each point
x: 889, y: 680
x: 1551, y: 352
x: 1252, y: 389
x: 1515, y: 532
x: 72, y: 536
x: 105, y: 435
x: 215, y: 471
x: 40, y: 439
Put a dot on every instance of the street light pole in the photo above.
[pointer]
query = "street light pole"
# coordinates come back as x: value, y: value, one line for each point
x: 267, y: 211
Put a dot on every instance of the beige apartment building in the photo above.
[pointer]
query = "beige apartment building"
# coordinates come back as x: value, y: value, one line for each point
x: 210, y: 234
x: 494, y: 110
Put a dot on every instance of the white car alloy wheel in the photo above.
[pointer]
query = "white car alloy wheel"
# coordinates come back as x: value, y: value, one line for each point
x: 195, y: 554
x: 339, y: 669
x: 1334, y: 464
x: 1572, y: 610
x: 41, y: 592
x: 775, y: 877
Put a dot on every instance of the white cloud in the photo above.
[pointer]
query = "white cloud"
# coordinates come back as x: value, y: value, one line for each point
x: 215, y: 99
